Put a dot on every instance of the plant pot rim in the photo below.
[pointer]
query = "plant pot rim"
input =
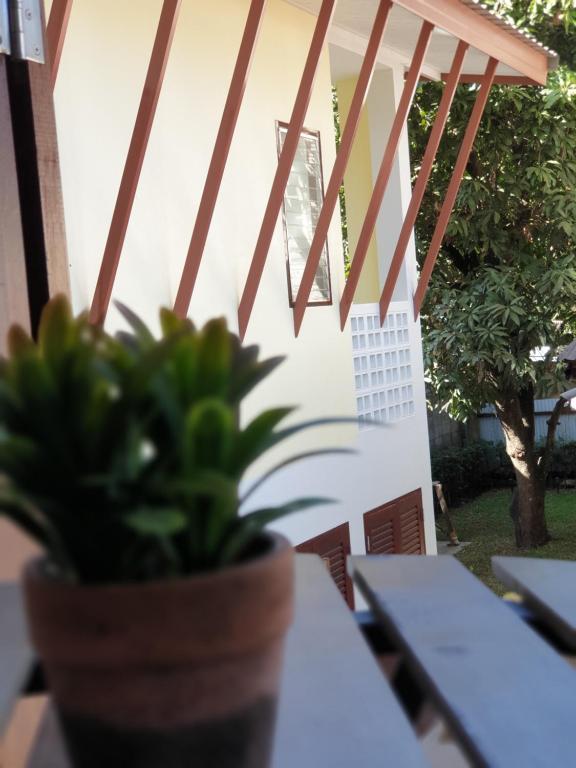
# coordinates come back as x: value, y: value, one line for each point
x: 133, y: 623
x: 35, y: 570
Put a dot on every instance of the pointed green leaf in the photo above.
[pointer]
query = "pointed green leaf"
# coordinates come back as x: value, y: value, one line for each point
x: 293, y: 460
x: 251, y: 375
x: 209, y: 431
x: 151, y: 521
x: 141, y: 330
x: 205, y: 482
x: 19, y: 342
x: 255, y: 437
x: 284, y: 434
x: 214, y: 358
x: 54, y: 329
x: 259, y: 518
x: 249, y: 526
x: 170, y: 323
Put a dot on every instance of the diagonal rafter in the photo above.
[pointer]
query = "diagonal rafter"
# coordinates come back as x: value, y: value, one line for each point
x: 219, y: 157
x: 135, y: 159
x: 341, y: 162
x: 284, y: 165
x: 56, y: 34
x: 385, y: 170
x: 423, y: 176
x: 454, y: 185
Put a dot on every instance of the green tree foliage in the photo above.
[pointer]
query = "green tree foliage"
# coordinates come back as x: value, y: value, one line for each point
x: 505, y: 281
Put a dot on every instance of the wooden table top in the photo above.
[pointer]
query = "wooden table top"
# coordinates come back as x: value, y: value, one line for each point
x: 16, y: 656
x: 508, y: 696
x: 548, y: 588
x: 336, y: 708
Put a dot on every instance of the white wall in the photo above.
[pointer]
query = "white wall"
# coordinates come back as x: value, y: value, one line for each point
x: 385, y: 93
x: 97, y: 97
x: 96, y: 104
x: 388, y: 461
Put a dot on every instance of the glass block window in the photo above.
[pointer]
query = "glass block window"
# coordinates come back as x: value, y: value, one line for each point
x: 382, y: 364
x: 302, y: 203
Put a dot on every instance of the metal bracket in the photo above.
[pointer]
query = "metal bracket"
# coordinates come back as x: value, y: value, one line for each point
x: 27, y: 30
x: 22, y: 29
x: 4, y: 27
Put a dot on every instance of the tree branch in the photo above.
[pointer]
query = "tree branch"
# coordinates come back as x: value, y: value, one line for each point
x: 553, y: 421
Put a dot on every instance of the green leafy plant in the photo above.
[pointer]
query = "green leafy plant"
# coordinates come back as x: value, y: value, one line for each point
x: 123, y: 456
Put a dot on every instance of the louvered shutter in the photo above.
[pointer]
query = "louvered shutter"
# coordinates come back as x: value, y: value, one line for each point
x: 380, y: 532
x: 396, y: 527
x: 333, y: 547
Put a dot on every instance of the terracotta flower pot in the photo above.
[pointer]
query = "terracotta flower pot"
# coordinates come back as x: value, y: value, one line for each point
x: 165, y: 674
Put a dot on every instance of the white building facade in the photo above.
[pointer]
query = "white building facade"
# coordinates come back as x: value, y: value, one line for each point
x: 374, y: 374
x: 366, y: 370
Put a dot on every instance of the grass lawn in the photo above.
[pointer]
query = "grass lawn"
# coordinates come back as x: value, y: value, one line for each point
x: 485, y: 523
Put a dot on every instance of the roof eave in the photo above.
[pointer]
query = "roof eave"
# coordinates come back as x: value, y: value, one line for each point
x: 526, y: 57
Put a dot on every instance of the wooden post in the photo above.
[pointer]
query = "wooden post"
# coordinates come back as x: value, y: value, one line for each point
x: 13, y: 286
x: 33, y: 266
x: 452, y: 535
x: 35, y: 153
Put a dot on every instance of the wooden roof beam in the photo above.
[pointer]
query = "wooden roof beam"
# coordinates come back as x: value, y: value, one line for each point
x: 498, y: 80
x: 458, y: 19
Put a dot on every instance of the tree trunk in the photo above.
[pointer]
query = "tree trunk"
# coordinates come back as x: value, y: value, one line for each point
x: 515, y: 412
x: 527, y: 510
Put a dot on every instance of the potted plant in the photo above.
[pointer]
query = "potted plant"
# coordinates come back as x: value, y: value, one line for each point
x: 159, y: 609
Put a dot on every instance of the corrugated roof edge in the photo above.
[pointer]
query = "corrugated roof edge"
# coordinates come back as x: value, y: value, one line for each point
x: 483, y: 10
